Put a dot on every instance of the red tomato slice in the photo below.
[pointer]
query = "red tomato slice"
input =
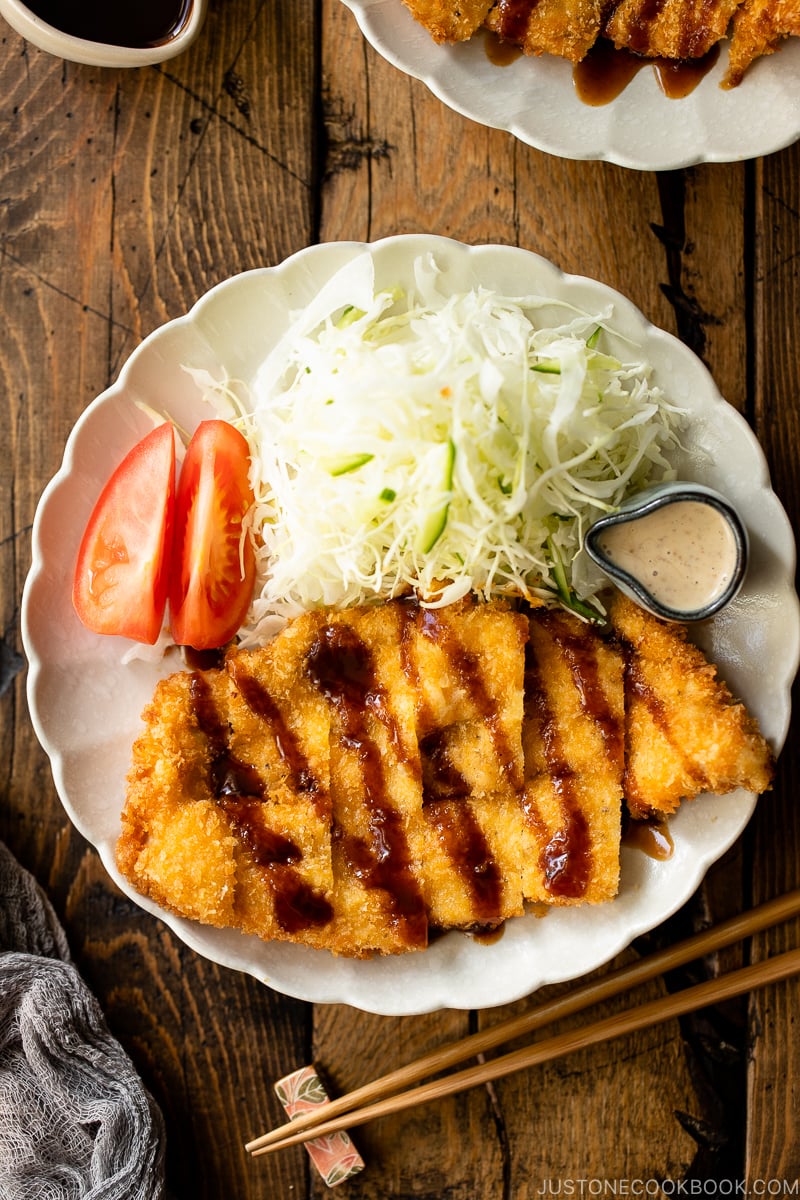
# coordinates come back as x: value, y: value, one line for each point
x: 212, y: 581
x: 122, y: 572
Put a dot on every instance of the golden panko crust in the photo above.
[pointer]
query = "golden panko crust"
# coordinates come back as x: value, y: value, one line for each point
x: 380, y: 772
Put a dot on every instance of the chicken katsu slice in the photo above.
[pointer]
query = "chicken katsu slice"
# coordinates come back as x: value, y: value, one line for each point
x: 427, y: 720
x: 465, y: 663
x: 449, y: 20
x: 472, y: 853
x: 283, y: 795
x: 376, y: 790
x: 227, y: 815
x: 674, y: 29
x: 279, y: 726
x: 573, y: 743
x: 176, y: 845
x: 759, y: 27
x: 566, y: 28
x: 684, y: 732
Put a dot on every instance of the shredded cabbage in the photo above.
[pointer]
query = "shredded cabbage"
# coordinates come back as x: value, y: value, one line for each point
x: 442, y: 444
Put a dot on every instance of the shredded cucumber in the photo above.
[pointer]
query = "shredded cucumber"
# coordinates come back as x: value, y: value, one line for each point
x: 442, y: 444
x: 435, y: 505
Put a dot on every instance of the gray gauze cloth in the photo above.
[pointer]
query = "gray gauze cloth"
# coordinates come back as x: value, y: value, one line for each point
x: 75, y: 1118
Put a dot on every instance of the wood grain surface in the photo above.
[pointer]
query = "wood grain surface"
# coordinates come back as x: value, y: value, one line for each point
x: 124, y: 195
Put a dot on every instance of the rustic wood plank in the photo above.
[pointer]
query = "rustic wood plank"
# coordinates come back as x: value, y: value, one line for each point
x: 555, y: 224
x: 54, y: 355
x: 399, y: 161
x: 223, y: 181
x: 601, y: 1090
x: 704, y: 209
x: 773, y: 1146
x: 424, y: 1151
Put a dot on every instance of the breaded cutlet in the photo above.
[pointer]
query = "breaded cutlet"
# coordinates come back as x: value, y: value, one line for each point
x: 675, y: 29
x: 759, y: 28
x: 565, y: 28
x: 376, y: 772
x: 304, y: 791
x: 573, y: 745
x: 374, y: 781
x: 685, y: 734
x: 229, y: 791
x: 447, y: 21
x: 466, y: 664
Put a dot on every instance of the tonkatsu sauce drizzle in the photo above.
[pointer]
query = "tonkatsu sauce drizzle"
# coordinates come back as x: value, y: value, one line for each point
x: 513, y: 17
x: 637, y: 688
x: 341, y: 666
x: 606, y: 71
x: 445, y: 807
x: 260, y: 702
x: 566, y: 860
x: 462, y: 837
x: 579, y: 651
x: 238, y: 789
x: 468, y: 673
x: 445, y: 790
x: 500, y: 53
x: 441, y: 779
x: 651, y: 836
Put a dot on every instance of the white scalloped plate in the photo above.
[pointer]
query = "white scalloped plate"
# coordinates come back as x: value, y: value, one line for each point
x: 86, y: 707
x: 535, y: 99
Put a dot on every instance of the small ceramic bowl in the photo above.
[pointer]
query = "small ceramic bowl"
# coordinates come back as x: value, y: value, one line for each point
x: 41, y: 33
x: 678, y: 562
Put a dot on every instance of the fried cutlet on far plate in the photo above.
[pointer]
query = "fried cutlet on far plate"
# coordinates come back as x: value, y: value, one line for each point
x: 759, y: 27
x: 685, y: 733
x: 447, y: 21
x: 573, y: 745
x: 674, y: 29
x: 567, y: 28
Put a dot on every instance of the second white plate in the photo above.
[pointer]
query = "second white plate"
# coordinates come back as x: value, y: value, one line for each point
x: 535, y: 99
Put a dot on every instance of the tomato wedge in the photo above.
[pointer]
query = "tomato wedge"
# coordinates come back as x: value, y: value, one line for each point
x: 121, y: 576
x: 214, y: 572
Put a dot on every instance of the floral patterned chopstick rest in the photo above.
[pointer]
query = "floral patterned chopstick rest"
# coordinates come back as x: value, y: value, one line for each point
x: 335, y: 1156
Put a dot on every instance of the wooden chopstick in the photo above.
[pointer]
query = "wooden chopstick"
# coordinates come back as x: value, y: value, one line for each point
x: 624, y: 978
x: 713, y: 991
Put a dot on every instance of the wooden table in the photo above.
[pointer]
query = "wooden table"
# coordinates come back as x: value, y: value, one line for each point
x: 125, y: 195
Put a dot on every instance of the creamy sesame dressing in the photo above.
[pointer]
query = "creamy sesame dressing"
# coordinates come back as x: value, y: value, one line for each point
x: 684, y: 553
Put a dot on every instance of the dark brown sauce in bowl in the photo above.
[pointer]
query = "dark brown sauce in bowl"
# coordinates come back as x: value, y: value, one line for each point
x: 140, y: 25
